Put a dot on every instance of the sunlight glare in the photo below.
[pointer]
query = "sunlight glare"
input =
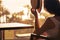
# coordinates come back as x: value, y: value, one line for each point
x: 15, y: 5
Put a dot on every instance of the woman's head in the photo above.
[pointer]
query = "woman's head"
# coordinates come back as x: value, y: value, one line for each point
x: 52, y: 6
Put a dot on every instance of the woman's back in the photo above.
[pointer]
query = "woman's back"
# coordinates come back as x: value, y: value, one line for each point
x: 53, y: 34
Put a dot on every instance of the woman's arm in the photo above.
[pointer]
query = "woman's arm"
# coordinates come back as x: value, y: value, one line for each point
x: 36, y: 19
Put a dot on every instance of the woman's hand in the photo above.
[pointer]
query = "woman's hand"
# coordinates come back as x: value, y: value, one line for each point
x: 34, y: 12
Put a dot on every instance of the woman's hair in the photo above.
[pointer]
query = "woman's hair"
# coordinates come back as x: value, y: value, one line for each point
x: 52, y: 6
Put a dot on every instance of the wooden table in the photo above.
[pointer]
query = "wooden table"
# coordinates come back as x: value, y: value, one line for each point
x: 10, y: 26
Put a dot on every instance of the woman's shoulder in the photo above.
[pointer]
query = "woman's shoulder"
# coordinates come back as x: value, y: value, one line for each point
x: 50, y: 21
x: 49, y: 18
x: 57, y: 18
x: 53, y: 20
